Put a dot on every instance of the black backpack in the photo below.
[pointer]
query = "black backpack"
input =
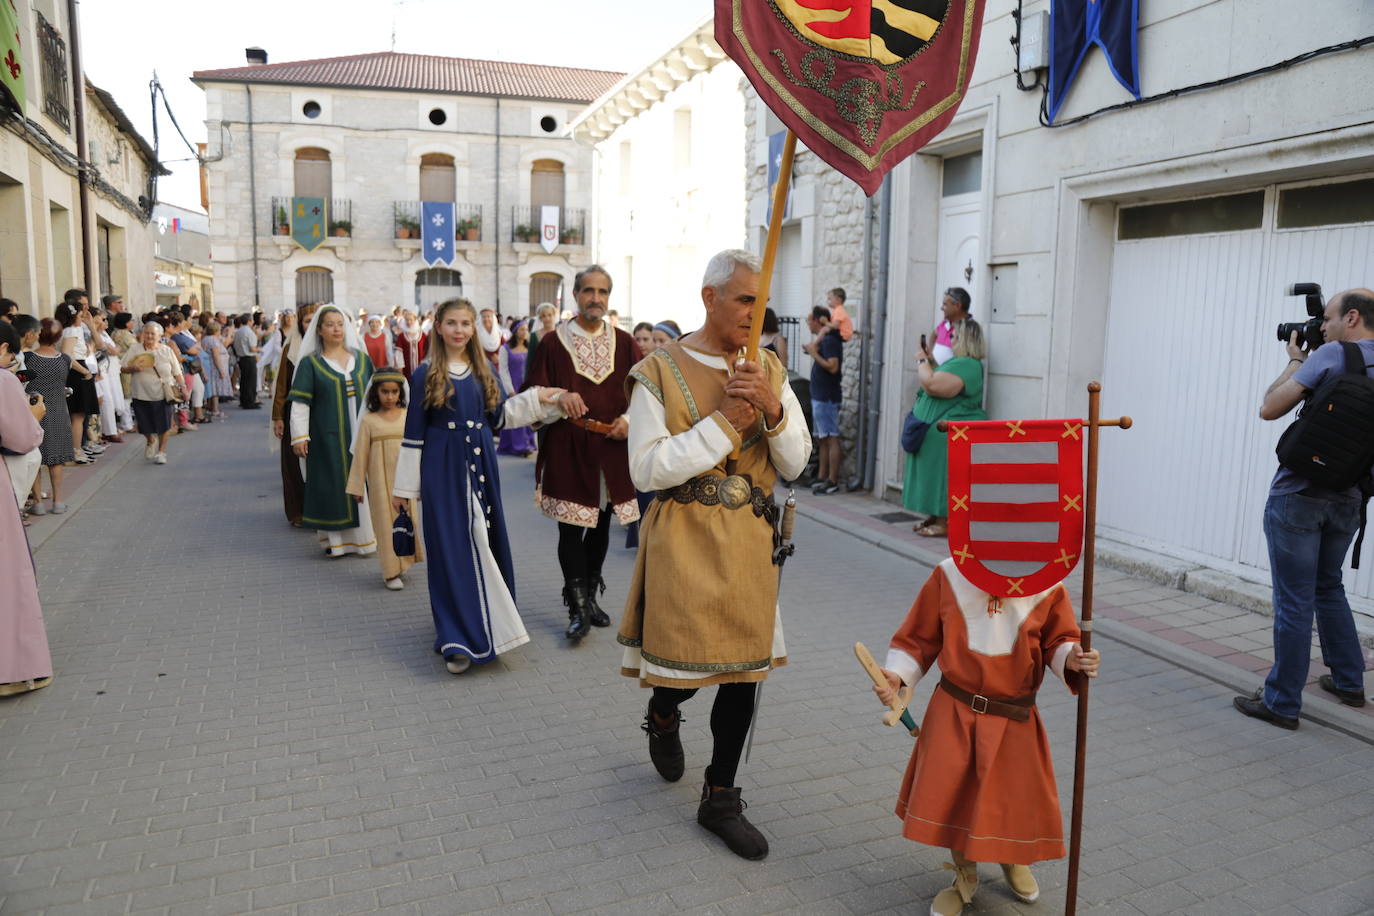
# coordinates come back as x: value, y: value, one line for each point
x: 1331, y: 443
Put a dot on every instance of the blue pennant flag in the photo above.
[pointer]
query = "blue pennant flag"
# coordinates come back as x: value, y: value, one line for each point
x: 775, y: 142
x: 437, y: 232
x: 1077, y: 25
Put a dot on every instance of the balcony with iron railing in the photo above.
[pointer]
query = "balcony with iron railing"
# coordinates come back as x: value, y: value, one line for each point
x: 526, y: 221
x: 467, y: 221
x: 53, y: 62
x: 338, y: 217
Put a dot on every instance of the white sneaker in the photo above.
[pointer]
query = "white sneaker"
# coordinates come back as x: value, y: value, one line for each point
x: 160, y: 458
x: 395, y: 584
x: 96, y: 449
x: 149, y: 451
x: 458, y: 664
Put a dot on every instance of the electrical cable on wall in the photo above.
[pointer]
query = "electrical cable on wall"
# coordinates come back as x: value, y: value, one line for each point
x: 1351, y: 45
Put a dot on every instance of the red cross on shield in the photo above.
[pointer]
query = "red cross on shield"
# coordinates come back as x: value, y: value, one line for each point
x: 1016, y: 503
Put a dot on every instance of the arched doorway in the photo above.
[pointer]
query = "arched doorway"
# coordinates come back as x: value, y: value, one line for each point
x: 546, y: 287
x: 314, y: 284
x: 433, y: 285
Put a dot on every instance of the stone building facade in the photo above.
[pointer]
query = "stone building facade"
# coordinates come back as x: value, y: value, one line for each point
x: 42, y: 248
x: 374, y: 135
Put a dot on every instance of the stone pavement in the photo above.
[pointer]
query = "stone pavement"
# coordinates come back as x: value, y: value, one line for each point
x: 240, y: 725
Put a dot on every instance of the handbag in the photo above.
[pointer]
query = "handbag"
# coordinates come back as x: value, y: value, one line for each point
x: 403, y: 535
x: 914, y: 432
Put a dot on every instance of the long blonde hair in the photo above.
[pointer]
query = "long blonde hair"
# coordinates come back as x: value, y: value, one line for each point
x: 438, y: 388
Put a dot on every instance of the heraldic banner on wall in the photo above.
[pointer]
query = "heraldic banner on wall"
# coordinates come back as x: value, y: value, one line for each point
x: 863, y: 83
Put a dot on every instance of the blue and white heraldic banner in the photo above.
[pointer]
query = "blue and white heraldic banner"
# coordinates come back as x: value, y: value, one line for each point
x: 436, y: 231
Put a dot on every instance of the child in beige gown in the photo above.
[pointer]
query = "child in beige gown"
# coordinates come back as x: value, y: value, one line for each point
x: 375, y: 452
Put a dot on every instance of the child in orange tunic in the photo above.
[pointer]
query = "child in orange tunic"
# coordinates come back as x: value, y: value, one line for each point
x: 980, y: 782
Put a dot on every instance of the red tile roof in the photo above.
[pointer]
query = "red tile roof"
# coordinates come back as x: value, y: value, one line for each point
x: 425, y: 73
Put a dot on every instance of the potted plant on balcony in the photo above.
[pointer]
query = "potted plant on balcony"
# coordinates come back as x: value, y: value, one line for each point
x: 523, y: 233
x: 283, y: 224
x: 570, y: 236
x: 472, y: 229
x: 407, y: 228
x: 341, y: 228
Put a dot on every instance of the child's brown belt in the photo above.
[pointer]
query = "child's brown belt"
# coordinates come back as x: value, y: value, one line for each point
x: 1017, y: 709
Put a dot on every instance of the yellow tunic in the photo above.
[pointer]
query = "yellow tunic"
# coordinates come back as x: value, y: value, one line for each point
x: 374, y: 461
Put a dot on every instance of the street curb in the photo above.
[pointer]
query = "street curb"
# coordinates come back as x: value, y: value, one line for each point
x: 1331, y: 715
x: 45, y: 526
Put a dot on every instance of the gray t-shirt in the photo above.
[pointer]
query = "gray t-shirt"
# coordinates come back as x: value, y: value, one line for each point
x: 1325, y: 362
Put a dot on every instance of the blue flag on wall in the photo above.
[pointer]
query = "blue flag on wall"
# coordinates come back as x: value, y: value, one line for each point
x: 437, y: 232
x: 1077, y: 25
x: 775, y: 142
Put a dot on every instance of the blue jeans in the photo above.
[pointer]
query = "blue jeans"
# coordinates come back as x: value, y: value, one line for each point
x: 1308, y: 537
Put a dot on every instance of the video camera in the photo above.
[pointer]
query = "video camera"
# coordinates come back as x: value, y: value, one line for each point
x: 1310, y: 331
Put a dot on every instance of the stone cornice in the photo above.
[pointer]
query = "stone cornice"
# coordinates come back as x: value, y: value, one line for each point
x: 696, y: 53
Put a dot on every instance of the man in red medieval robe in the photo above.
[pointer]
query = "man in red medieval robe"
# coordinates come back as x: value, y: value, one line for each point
x: 582, y: 475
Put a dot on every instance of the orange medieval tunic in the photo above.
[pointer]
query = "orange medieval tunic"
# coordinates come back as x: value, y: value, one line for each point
x: 978, y: 783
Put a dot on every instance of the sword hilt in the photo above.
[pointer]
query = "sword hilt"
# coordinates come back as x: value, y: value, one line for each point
x: 897, y: 710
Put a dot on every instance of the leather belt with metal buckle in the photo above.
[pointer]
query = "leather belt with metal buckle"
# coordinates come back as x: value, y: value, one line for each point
x: 732, y: 492
x: 1016, y: 708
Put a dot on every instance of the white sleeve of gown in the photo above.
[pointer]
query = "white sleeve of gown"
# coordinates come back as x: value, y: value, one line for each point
x: 407, y: 483
x: 300, y: 422
x: 659, y: 460
x: 789, y: 443
x: 904, y: 666
x: 525, y: 409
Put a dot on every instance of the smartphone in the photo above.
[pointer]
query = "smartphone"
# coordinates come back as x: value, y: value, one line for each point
x: 923, y: 342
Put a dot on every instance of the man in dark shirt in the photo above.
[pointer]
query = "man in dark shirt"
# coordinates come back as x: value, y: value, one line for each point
x: 827, y: 352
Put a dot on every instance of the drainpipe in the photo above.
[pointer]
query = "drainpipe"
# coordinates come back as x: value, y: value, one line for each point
x: 83, y: 177
x: 879, y: 333
x: 253, y: 197
x: 496, y: 234
x: 866, y: 351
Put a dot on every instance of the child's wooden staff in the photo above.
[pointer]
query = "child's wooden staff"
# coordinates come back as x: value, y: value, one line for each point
x: 1095, y: 422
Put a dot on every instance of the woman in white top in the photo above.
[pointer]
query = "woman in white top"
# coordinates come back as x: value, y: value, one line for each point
x: 81, y: 378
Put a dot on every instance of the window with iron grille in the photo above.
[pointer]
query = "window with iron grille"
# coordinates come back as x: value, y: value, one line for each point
x: 53, y: 50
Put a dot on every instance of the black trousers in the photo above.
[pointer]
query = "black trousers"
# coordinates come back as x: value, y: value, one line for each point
x: 730, y: 717
x: 248, y: 381
x: 582, y: 551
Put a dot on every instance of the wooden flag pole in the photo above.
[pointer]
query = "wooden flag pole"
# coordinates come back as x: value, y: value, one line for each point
x: 1095, y: 422
x: 770, y: 247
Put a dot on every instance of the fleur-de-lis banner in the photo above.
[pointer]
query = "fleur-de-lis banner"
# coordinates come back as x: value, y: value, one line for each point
x: 863, y: 83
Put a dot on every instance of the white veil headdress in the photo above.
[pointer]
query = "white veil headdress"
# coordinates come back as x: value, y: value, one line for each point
x: 310, y: 340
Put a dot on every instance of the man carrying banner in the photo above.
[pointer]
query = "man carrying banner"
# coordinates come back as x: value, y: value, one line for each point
x: 710, y: 436
x: 582, y: 475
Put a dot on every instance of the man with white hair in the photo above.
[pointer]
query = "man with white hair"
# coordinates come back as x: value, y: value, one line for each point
x: 711, y: 435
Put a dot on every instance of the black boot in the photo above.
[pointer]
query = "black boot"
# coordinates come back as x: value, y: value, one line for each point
x: 665, y: 745
x: 575, y: 597
x: 598, y: 617
x: 722, y: 813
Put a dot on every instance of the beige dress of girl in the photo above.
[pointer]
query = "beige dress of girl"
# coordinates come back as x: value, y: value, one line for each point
x: 374, y: 465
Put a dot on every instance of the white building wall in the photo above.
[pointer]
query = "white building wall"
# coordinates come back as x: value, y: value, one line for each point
x: 668, y: 198
x: 375, y: 141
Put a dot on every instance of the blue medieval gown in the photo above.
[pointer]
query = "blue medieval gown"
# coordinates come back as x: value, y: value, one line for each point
x: 448, y: 461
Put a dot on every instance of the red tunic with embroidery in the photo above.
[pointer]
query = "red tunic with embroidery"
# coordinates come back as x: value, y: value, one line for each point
x: 573, y: 461
x: 978, y: 783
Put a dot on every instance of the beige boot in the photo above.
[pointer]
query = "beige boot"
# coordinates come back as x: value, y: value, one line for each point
x: 1022, y: 882
x: 951, y: 900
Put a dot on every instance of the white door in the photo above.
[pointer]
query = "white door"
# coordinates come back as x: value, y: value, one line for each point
x: 1191, y: 348
x: 960, y: 221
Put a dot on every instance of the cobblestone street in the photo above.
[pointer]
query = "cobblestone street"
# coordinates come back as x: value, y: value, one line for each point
x: 238, y: 724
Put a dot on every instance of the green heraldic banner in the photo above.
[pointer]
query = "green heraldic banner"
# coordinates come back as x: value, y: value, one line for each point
x: 11, y: 55
x: 307, y: 221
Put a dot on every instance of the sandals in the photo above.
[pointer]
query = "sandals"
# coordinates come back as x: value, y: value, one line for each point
x: 937, y: 530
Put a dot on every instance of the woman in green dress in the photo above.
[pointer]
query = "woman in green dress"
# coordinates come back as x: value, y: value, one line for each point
x: 953, y: 390
x: 327, y: 394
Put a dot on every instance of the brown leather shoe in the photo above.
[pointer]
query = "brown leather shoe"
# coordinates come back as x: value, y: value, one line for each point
x: 1254, y: 707
x: 1354, y: 698
x: 722, y: 812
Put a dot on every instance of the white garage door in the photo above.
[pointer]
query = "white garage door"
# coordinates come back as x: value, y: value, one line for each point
x: 1198, y: 289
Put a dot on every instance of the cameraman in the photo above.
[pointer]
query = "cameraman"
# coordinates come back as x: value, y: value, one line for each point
x: 1309, y: 530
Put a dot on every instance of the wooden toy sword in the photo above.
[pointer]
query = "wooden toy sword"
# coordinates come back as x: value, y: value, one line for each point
x: 897, y: 711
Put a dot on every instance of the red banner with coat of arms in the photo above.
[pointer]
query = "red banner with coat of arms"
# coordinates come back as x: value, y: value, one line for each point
x: 863, y: 83
x: 1016, y: 503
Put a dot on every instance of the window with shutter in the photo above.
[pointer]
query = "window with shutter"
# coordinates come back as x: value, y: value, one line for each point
x: 314, y: 173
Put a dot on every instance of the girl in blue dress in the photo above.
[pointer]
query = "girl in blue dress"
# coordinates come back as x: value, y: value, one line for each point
x: 448, y: 462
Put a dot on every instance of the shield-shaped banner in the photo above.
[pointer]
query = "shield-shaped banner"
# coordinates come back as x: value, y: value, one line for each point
x: 436, y: 231
x: 1016, y: 503
x: 307, y: 221
x: 548, y: 228
x: 863, y: 83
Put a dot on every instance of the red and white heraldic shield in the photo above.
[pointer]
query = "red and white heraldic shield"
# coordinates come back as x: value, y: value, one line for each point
x: 1016, y: 503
